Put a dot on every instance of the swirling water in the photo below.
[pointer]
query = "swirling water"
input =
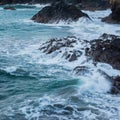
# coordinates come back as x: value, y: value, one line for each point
x: 34, y: 86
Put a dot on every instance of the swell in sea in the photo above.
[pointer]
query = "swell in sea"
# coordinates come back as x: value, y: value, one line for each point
x: 36, y: 86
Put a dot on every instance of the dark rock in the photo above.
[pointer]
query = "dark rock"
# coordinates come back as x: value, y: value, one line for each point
x: 58, y: 11
x: 82, y: 4
x: 69, y: 108
x: 9, y: 8
x: 59, y: 106
x: 95, y: 5
x: 14, y: 1
x: 106, y: 50
x: 72, y: 55
x: 82, y: 70
x: 114, y: 17
x: 110, y: 20
x: 56, y: 44
x: 116, y: 85
x: 104, y: 74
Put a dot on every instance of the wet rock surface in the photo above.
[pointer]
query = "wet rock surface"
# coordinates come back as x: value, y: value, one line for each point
x: 116, y: 85
x: 14, y: 1
x: 105, y: 49
x: 58, y: 11
x: 114, y: 17
x: 56, y: 45
x: 82, y: 4
x: 94, y: 4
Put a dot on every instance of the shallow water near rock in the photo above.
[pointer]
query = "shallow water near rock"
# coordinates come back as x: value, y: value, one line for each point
x: 35, y: 86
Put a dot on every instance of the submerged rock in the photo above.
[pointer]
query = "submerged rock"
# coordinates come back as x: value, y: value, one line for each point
x: 58, y: 11
x: 9, y: 8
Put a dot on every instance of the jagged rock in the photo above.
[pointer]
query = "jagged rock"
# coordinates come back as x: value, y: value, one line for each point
x: 82, y: 70
x: 58, y: 11
x: 115, y: 82
x: 9, y: 8
x: 83, y: 4
x: 114, y: 17
x: 106, y: 50
x: 57, y: 44
x: 14, y: 1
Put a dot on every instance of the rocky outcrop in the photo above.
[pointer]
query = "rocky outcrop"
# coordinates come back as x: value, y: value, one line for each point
x: 106, y: 49
x: 58, y: 11
x: 95, y: 4
x: 56, y: 45
x: 82, y: 71
x: 9, y: 8
x: 114, y: 17
x: 14, y: 1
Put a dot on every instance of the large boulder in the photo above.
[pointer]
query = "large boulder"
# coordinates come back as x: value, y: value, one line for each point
x: 114, y: 17
x: 106, y: 49
x: 58, y: 11
x: 64, y: 47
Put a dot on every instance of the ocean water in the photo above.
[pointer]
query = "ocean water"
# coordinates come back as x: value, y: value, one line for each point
x: 36, y: 86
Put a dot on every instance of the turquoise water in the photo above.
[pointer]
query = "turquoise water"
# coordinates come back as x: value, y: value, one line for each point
x: 32, y: 87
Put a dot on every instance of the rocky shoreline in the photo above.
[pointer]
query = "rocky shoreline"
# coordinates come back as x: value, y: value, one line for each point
x: 105, y: 49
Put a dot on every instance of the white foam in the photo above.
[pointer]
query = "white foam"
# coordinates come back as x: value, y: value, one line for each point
x: 95, y: 82
x: 87, y: 29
